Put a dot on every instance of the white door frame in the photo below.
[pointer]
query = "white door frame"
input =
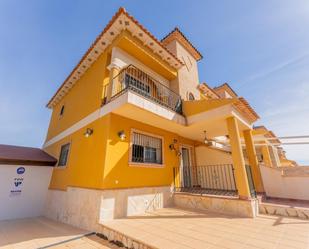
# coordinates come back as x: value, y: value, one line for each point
x: 191, y: 152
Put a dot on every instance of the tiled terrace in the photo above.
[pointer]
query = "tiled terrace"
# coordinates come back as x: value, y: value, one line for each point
x: 173, y: 228
x: 44, y: 233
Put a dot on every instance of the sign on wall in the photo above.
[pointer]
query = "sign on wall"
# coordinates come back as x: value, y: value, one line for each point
x: 17, y: 184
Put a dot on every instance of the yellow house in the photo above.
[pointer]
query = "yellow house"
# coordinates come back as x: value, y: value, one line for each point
x: 268, y: 149
x: 132, y: 124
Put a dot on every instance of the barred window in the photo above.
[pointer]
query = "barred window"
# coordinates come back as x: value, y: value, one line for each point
x: 146, y: 149
x: 63, y: 158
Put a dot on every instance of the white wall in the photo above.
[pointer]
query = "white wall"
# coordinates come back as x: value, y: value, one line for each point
x: 283, y: 186
x: 30, y: 195
x: 122, y: 59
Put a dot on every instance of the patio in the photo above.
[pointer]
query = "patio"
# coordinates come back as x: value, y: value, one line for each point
x: 45, y: 233
x: 170, y: 228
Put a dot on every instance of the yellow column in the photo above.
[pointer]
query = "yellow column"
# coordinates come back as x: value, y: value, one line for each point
x: 113, y: 82
x: 266, y: 156
x: 253, y: 161
x: 238, y: 159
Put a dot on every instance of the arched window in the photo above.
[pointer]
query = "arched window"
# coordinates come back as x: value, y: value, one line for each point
x: 191, y: 96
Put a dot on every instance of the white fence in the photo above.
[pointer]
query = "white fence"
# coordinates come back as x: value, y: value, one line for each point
x: 291, y: 183
x: 23, y: 190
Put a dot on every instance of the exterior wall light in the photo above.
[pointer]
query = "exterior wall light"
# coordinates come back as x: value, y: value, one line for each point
x: 88, y: 132
x: 206, y: 140
x: 122, y: 135
x: 172, y: 145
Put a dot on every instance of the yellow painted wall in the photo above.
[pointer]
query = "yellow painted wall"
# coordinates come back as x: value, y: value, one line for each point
x: 194, y: 107
x: 83, y: 98
x: 119, y: 174
x: 209, y: 156
x: 102, y: 160
x: 86, y: 158
x: 86, y: 95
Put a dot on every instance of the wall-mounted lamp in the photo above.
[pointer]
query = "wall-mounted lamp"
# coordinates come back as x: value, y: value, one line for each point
x: 172, y: 145
x: 206, y: 140
x: 122, y: 135
x: 88, y: 132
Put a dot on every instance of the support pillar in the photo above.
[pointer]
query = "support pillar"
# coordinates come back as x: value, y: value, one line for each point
x: 238, y: 159
x: 113, y: 82
x: 253, y: 161
x: 266, y: 156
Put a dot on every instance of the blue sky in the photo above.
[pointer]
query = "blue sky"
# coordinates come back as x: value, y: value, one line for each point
x: 261, y: 48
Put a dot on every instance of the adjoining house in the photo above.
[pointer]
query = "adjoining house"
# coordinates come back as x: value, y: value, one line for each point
x: 25, y: 175
x: 269, y: 150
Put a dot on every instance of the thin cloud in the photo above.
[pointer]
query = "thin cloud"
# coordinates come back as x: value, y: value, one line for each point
x: 275, y: 69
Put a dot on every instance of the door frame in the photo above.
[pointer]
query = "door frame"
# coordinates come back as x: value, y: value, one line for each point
x: 190, y: 149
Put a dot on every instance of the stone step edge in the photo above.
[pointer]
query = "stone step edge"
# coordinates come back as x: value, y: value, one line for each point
x: 291, y: 212
x: 121, y: 239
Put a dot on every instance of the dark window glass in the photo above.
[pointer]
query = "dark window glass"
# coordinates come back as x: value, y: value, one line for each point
x: 138, y: 153
x: 63, y: 158
x: 146, y: 149
x: 191, y: 96
x: 62, y: 110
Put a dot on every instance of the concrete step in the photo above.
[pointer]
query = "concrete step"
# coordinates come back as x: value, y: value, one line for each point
x: 121, y: 239
x: 284, y: 207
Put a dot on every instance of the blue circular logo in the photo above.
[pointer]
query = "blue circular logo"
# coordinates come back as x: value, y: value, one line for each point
x: 21, y: 170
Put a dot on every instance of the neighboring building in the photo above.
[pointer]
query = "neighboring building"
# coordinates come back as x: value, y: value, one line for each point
x: 269, y: 150
x: 132, y: 119
x: 24, y: 176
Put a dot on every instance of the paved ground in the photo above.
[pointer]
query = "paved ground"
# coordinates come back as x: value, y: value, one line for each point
x: 41, y: 232
x: 180, y: 229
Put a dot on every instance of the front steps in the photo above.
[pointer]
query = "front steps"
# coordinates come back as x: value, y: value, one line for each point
x: 284, y: 207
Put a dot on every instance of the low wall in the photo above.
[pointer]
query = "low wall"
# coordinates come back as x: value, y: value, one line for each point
x: 88, y: 208
x: 289, y: 183
x: 23, y: 190
x: 224, y: 205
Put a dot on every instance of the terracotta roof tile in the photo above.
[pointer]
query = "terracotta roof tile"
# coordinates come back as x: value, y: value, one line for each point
x: 179, y: 36
x: 227, y: 87
x: 10, y: 154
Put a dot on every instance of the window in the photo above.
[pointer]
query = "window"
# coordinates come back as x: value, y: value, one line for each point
x: 63, y: 158
x: 146, y: 149
x: 61, y: 111
x: 191, y: 96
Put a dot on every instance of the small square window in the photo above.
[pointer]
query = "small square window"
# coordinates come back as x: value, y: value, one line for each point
x: 64, y: 153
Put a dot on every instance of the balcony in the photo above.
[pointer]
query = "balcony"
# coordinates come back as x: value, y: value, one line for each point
x: 133, y: 79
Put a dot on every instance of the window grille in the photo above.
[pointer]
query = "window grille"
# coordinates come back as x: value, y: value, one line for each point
x: 146, y: 149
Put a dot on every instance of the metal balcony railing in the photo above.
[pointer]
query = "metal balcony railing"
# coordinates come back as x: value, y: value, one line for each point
x: 206, y: 179
x: 133, y: 79
x: 210, y: 179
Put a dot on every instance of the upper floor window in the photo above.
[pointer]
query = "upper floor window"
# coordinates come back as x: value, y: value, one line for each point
x: 61, y: 111
x: 191, y: 96
x: 146, y: 149
x: 64, y: 153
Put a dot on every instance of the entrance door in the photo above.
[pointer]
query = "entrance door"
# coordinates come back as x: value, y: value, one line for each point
x: 186, y: 167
